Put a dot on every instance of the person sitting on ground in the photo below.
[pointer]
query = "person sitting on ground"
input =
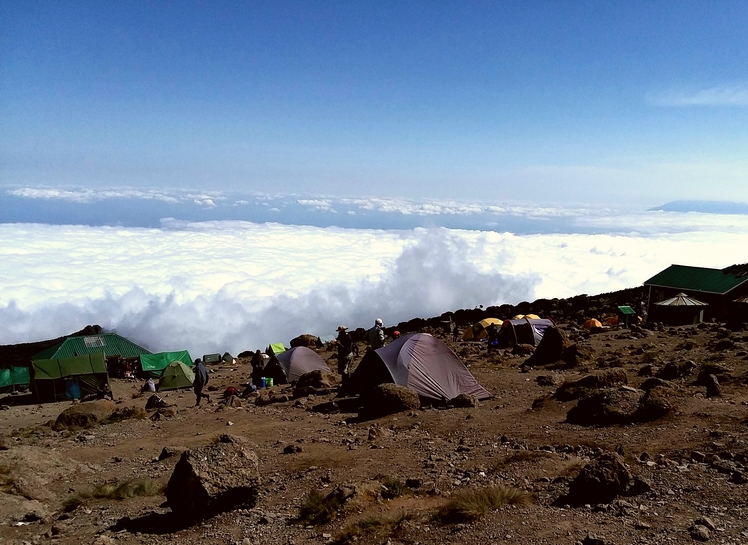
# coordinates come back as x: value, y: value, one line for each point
x: 396, y: 335
x: 345, y: 348
x: 201, y: 381
x: 249, y: 388
x: 376, y: 334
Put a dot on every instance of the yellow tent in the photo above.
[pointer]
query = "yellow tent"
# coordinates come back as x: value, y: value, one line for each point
x: 478, y: 330
x: 521, y: 316
x: 591, y: 323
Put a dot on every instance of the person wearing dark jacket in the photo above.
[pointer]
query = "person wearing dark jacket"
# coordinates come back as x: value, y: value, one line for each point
x: 258, y: 365
x: 345, y: 355
x: 201, y: 381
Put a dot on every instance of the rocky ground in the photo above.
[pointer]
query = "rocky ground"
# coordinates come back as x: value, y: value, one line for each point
x: 667, y: 412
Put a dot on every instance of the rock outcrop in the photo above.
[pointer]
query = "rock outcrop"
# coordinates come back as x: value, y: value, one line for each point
x: 84, y: 415
x: 214, y: 478
x: 389, y: 398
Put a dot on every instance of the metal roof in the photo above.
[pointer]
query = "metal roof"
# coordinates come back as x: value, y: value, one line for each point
x: 682, y: 300
x: 697, y: 279
x: 110, y: 344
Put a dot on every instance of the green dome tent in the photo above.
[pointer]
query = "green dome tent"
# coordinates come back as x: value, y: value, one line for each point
x: 152, y: 365
x: 176, y: 375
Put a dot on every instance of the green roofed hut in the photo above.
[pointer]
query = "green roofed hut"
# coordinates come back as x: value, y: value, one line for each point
x: 69, y: 378
x: 121, y: 354
x: 718, y: 288
x: 152, y: 365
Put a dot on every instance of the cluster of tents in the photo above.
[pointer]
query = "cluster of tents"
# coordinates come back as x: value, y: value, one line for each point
x: 419, y: 361
x: 522, y: 329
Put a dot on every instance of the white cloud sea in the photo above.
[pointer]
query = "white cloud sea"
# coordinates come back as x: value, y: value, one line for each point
x: 232, y: 285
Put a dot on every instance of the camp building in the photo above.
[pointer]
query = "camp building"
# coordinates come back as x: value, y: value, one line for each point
x: 718, y: 288
x: 110, y: 344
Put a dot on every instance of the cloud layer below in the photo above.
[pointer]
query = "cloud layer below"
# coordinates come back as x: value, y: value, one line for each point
x: 231, y: 285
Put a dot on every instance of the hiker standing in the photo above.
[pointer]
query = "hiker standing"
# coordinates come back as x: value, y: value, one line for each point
x: 345, y: 355
x: 492, y: 338
x: 201, y: 381
x: 376, y: 334
x: 258, y: 364
x: 452, y: 329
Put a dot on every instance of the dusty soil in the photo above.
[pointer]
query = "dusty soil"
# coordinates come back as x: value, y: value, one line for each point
x: 502, y: 441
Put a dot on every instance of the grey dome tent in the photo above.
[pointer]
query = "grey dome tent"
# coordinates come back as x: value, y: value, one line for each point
x: 523, y: 331
x: 422, y: 363
x: 288, y: 366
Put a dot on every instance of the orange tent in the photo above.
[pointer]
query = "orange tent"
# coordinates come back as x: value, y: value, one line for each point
x: 591, y: 323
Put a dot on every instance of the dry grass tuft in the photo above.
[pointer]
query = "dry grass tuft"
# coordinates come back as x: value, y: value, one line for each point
x: 373, y: 528
x: 115, y: 491
x: 318, y: 509
x: 394, y: 488
x: 519, y: 457
x: 471, y: 504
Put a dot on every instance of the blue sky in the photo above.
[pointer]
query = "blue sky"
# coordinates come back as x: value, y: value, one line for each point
x: 547, y: 101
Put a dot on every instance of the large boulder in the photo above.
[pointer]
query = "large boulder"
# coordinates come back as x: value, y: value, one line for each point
x: 586, y: 386
x: 659, y: 401
x: 602, y: 480
x: 464, y: 401
x: 607, y: 407
x: 309, y: 341
x: 575, y: 354
x: 214, y: 478
x: 550, y: 349
x: 84, y: 415
x: 389, y: 398
x: 314, y: 383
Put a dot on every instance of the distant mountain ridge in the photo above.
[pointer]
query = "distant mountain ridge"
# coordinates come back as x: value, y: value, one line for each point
x: 708, y: 207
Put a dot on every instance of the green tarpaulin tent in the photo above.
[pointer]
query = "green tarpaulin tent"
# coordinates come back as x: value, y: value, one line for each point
x: 6, y: 381
x: 277, y: 348
x: 176, y: 375
x: 69, y: 378
x: 152, y: 365
x: 14, y: 378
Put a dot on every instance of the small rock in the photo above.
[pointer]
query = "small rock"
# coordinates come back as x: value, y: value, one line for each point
x: 700, y: 532
x: 705, y: 521
x: 592, y: 539
x: 713, y: 389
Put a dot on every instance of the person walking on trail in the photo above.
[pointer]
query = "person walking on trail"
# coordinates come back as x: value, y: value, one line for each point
x: 201, y: 381
x: 376, y: 334
x: 345, y: 351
